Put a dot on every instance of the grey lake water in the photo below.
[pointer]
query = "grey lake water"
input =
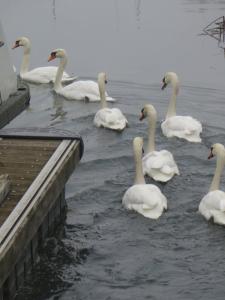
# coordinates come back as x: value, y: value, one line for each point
x: 106, y: 252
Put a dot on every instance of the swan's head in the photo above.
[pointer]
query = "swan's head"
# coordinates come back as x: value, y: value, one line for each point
x: 57, y: 53
x: 216, y: 149
x: 22, y: 41
x: 102, y: 77
x: 170, y: 77
x: 148, y: 110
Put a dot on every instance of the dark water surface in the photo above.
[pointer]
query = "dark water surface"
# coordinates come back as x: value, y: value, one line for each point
x: 106, y: 251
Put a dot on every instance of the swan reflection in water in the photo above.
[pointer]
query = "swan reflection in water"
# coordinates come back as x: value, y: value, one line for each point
x: 60, y: 113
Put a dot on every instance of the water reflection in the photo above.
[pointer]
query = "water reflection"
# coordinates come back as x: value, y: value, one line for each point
x: 117, y: 15
x: 137, y: 4
x: 59, y: 112
x: 53, y: 9
x: 202, y: 6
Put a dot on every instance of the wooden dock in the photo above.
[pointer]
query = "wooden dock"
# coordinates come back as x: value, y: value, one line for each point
x: 39, y: 164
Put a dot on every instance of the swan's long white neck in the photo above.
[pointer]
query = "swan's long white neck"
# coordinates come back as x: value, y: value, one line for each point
x: 101, y: 86
x: 59, y: 74
x: 171, y: 112
x: 219, y: 169
x: 139, y: 177
x: 152, y: 116
x: 26, y: 58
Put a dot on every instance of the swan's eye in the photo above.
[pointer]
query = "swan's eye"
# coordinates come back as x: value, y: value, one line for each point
x: 53, y: 54
x: 106, y: 81
x: 164, y: 80
x: 142, y: 110
x: 17, y: 43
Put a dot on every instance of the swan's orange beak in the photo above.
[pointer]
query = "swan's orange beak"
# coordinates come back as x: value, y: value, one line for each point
x: 210, y: 154
x: 51, y: 56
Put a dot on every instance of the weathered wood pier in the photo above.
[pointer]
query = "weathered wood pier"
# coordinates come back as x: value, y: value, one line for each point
x: 39, y: 164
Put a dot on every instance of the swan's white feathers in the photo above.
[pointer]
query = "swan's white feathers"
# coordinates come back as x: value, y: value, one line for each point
x: 81, y: 90
x: 183, y: 127
x: 167, y: 170
x: 111, y: 118
x: 146, y: 199
x: 212, y: 205
x: 159, y: 165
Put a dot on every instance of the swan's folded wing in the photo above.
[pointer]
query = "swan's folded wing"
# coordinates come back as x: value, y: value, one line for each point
x: 110, y: 118
x: 45, y: 75
x: 182, y: 123
x: 154, y: 160
x: 147, y: 196
x: 84, y: 89
x: 215, y: 200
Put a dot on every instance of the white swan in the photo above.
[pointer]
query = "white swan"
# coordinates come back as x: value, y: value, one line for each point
x: 37, y: 75
x: 212, y: 206
x: 159, y: 165
x: 184, y: 127
x: 111, y: 118
x: 79, y: 90
x: 146, y: 199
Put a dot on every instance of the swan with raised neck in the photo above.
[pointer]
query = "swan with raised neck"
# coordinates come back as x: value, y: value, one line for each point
x: 146, y: 199
x: 212, y: 205
x: 61, y: 54
x: 218, y: 151
x: 80, y: 90
x: 172, y: 78
x: 184, y: 127
x: 111, y: 118
x: 160, y: 165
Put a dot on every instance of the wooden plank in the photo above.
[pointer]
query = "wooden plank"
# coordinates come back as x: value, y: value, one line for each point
x: 22, y: 163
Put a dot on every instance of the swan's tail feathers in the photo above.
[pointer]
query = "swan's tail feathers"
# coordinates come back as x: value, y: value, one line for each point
x: 167, y: 170
x: 69, y: 79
